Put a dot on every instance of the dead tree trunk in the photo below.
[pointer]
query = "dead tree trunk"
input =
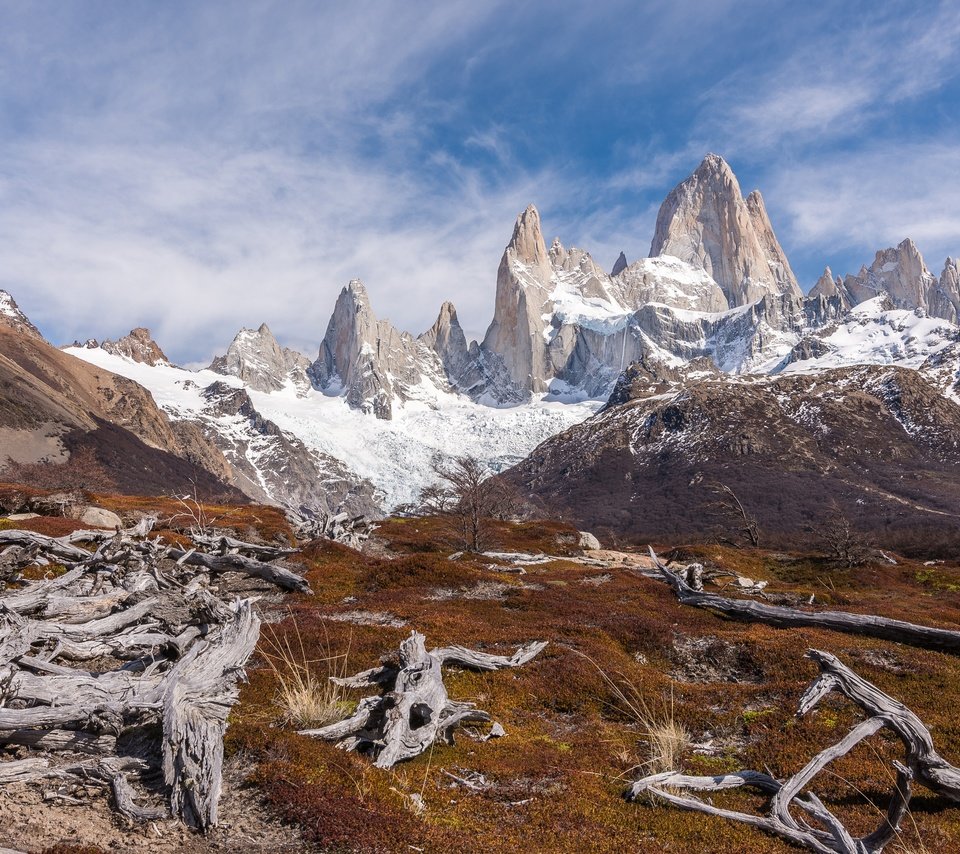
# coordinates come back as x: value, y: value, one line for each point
x: 868, y: 625
x: 134, y: 599
x: 828, y: 836
x: 414, y: 709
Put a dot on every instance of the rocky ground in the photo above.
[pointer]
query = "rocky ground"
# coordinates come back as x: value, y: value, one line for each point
x: 622, y: 653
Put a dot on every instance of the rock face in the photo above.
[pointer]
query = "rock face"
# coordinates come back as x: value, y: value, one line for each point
x: 138, y: 345
x: 619, y: 265
x: 275, y: 467
x: 901, y: 274
x: 706, y: 222
x: 75, y: 422
x: 374, y: 364
x: 256, y: 358
x: 516, y: 333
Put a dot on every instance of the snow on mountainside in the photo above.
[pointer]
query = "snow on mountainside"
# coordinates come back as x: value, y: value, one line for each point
x: 874, y: 334
x: 716, y: 298
x: 394, y: 455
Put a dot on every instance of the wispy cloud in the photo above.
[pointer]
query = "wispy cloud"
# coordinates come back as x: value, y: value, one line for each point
x: 197, y: 167
x: 836, y: 83
x: 873, y: 198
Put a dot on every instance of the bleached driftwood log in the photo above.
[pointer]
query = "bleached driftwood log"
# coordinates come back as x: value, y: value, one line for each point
x: 921, y: 763
x: 137, y: 600
x: 414, y: 709
x: 867, y: 625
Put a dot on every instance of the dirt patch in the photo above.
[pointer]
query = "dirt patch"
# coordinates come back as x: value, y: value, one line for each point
x: 32, y: 820
x: 710, y: 659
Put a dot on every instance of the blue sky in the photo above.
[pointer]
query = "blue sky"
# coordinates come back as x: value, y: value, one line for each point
x: 195, y: 167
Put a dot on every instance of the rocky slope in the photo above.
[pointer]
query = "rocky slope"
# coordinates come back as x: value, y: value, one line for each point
x: 273, y: 466
x: 881, y: 442
x: 54, y: 408
x: 255, y: 357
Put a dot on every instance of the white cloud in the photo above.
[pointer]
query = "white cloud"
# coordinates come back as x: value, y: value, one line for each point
x: 868, y: 200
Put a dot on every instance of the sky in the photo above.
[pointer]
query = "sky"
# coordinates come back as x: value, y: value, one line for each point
x: 198, y: 167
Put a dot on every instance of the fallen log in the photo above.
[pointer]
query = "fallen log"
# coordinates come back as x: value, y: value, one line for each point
x: 867, y: 625
x: 414, y: 709
x: 248, y: 566
x: 225, y: 545
x: 828, y: 835
x: 51, y: 545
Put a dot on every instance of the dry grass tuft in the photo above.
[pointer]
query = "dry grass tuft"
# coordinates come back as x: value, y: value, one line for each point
x: 306, y: 695
x: 666, y: 738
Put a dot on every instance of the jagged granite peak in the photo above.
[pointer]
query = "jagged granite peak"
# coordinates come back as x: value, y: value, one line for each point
x: 139, y: 346
x: 256, y: 357
x: 372, y: 362
x: 901, y: 273
x: 948, y: 293
x: 11, y: 316
x: 527, y: 242
x: 523, y: 287
x: 447, y: 340
x: 776, y: 257
x: 619, y: 265
x: 706, y: 222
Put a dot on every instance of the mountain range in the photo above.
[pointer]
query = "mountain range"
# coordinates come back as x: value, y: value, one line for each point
x: 705, y: 360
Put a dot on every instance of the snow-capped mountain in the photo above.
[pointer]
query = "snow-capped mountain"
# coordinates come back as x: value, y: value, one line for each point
x: 716, y: 297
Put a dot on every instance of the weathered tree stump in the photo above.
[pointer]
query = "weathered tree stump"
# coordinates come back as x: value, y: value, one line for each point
x: 414, y: 709
x: 137, y: 600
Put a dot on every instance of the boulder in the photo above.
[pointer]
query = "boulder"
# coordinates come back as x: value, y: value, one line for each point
x: 98, y: 517
x: 588, y: 542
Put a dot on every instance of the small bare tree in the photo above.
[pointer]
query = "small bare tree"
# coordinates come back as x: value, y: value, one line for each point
x: 467, y: 494
x: 843, y: 541
x: 739, y: 524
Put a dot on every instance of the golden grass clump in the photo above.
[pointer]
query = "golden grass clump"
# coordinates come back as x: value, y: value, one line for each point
x: 306, y: 694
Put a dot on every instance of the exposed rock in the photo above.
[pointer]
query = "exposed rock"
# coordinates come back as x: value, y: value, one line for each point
x: 588, y: 542
x: 98, y: 517
x: 13, y: 318
x: 902, y: 274
x: 619, y: 265
x: 706, y: 222
x: 256, y: 358
x: 275, y: 467
x: 516, y: 333
x: 672, y: 282
x: 137, y: 345
x: 371, y: 362
x: 45, y: 392
x: 884, y: 442
x: 829, y: 287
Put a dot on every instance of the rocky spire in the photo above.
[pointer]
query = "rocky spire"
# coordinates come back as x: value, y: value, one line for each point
x: 706, y: 222
x: 371, y: 361
x: 619, y: 265
x: 447, y: 340
x: 139, y: 346
x: 948, y: 302
x: 516, y: 333
x: 527, y: 243
x: 900, y: 273
x: 258, y: 359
